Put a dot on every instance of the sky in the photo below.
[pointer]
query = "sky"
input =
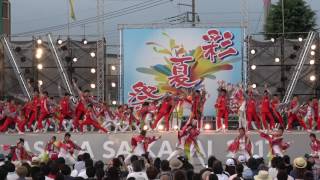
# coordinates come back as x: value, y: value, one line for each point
x: 37, y: 14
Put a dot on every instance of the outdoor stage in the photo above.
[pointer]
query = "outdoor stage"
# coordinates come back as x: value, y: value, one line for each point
x: 106, y: 146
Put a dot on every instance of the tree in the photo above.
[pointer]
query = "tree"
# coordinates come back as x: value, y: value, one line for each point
x: 298, y: 17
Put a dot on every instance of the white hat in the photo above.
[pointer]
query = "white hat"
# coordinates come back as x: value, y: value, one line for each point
x: 175, y: 164
x: 230, y: 162
x: 262, y: 175
x: 242, y: 159
x: 256, y: 156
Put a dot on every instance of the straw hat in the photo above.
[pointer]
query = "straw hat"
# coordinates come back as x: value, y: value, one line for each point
x: 263, y: 175
x: 299, y: 162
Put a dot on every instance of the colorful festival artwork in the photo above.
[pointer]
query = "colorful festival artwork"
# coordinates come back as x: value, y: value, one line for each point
x: 179, y: 61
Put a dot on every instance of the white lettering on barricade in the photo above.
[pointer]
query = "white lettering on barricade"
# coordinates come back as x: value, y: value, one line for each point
x: 124, y: 148
x: 165, y: 149
x: 86, y: 146
x: 38, y: 147
x: 109, y: 150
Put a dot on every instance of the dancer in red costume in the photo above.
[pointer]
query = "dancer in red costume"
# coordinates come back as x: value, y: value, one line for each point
x: 292, y: 114
x: 51, y: 149
x: 165, y: 111
x: 266, y: 111
x: 44, y: 111
x: 141, y: 142
x: 67, y: 148
x: 35, y: 106
x: 64, y: 109
x: 10, y: 113
x: 274, y: 106
x: 18, y: 152
x: 241, y: 145
x: 90, y: 119
x: 222, y: 109
x: 251, y: 111
x: 196, y: 107
x: 276, y: 143
x: 315, y: 146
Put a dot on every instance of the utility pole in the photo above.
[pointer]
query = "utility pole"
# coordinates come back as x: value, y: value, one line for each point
x: 193, y: 13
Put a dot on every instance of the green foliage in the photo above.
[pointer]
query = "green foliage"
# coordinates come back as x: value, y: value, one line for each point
x: 298, y: 17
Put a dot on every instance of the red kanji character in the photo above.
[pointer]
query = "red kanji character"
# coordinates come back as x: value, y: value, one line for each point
x: 142, y: 92
x: 180, y: 72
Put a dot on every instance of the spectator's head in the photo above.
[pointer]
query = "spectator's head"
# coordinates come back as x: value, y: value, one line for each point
x: 116, y: 162
x: 99, y: 165
x: 217, y: 167
x: 299, y: 163
x: 230, y: 166
x: 61, y: 161
x: 152, y: 172
x: 286, y: 159
x: 242, y: 159
x: 34, y: 171
x: 27, y: 165
x: 212, y: 177
x: 100, y: 173
x: 262, y: 175
x: 175, y: 163
x: 282, y: 175
x: 113, y: 173
x: 65, y: 170
x: 310, y: 163
x: 164, y: 165
x: 54, y: 168
x: 90, y: 171
x: 3, y: 173
x: 86, y: 156
x: 22, y: 171
x: 136, y: 166
x: 88, y: 163
x: 239, y: 170
x: 204, y: 173
x: 157, y: 163
x: 39, y: 176
x: 275, y: 161
x: 133, y: 158
x: 10, y: 167
x: 252, y: 164
x: 211, y: 159
x: 179, y: 175
x: 121, y: 158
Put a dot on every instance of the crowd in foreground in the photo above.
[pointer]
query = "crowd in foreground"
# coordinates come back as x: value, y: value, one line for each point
x: 144, y: 168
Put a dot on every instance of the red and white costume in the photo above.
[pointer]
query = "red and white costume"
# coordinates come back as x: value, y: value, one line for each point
x: 252, y: 112
x: 44, y: 112
x: 65, y: 110
x: 292, y: 115
x: 274, y: 105
x: 315, y: 148
x: 276, y: 143
x: 35, y: 105
x: 90, y: 119
x: 52, y: 150
x: 165, y: 112
x: 266, y: 113
x: 66, y: 150
x: 222, y: 111
x: 241, y: 146
x: 140, y: 144
x: 10, y: 116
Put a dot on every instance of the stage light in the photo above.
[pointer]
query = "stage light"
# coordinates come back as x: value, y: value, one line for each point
x: 276, y: 59
x: 114, y: 102
x: 175, y: 127
x: 113, y: 68
x: 93, y: 70
x: 312, y: 78
x: 207, y: 126
x: 40, y: 66
x: 75, y: 59
x: 113, y: 84
x: 40, y: 82
x: 312, y: 53
x: 39, y: 52
x: 223, y: 126
x: 254, y: 86
x: 313, y: 46
x: 92, y: 85
x: 145, y: 127
x: 160, y: 127
x: 312, y: 61
x: 39, y: 41
x: 93, y: 54
x: 272, y: 39
x: 253, y: 51
x: 300, y: 39
x: 253, y: 67
x: 59, y: 41
x: 84, y: 41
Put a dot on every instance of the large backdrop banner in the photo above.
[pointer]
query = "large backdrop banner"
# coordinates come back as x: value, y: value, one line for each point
x: 179, y: 60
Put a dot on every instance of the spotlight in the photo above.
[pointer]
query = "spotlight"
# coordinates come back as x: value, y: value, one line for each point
x: 253, y: 67
x: 114, y: 102
x: 254, y: 86
x: 207, y: 126
x: 93, y: 86
x: 39, y: 52
x: 300, y: 39
x: 175, y: 127
x: 84, y: 41
x: 93, y: 70
x: 312, y: 61
x: 93, y: 54
x: 113, y: 68
x: 313, y: 46
x: 23, y: 59
x: 59, y: 41
x: 40, y: 82
x: 113, y: 84
x: 145, y: 127
x: 39, y: 41
x: 75, y: 59
x: 160, y: 127
x: 272, y: 39
x: 312, y: 53
x: 312, y: 78
x: 253, y: 51
x: 276, y: 59
x: 17, y: 49
x: 40, y: 66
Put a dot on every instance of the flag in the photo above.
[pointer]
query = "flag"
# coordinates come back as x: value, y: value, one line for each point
x: 72, y: 14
